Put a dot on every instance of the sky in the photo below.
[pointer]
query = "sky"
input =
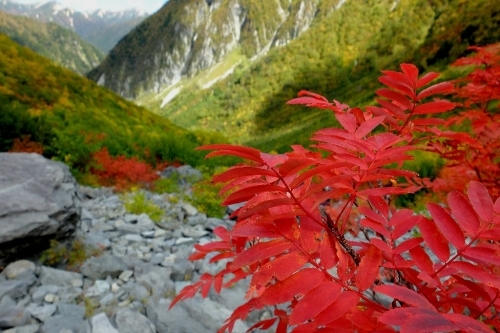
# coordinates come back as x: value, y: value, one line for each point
x: 149, y: 6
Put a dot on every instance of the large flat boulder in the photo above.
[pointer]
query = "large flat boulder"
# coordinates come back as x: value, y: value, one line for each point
x: 38, y: 202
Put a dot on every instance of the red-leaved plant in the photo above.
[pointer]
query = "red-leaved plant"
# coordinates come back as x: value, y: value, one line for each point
x: 412, y: 273
x: 122, y: 172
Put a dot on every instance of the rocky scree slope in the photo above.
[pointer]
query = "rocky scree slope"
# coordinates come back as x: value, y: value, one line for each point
x: 129, y: 286
x: 187, y: 36
x: 50, y: 40
x: 101, y: 28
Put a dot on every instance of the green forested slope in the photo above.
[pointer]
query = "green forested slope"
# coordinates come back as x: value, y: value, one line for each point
x: 73, y: 117
x: 61, y: 45
x: 340, y: 56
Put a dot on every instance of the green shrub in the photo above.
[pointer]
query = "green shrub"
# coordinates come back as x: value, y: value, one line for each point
x: 167, y: 185
x: 72, y: 255
x: 206, y: 196
x: 138, y: 204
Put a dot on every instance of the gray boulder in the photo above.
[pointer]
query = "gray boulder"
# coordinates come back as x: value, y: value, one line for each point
x: 38, y: 202
x: 58, y: 277
x: 100, y: 267
x: 69, y: 317
x: 129, y: 321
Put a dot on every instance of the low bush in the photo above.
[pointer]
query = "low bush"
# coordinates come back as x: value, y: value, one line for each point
x: 72, y: 255
x: 137, y: 203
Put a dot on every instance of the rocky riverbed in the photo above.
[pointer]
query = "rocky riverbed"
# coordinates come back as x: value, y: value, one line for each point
x: 128, y: 288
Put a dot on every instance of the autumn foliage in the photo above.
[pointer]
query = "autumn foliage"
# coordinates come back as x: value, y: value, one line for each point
x: 404, y: 272
x: 121, y: 172
x: 26, y: 145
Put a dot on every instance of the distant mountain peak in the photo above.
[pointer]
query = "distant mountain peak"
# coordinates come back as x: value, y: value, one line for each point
x: 186, y: 37
x: 100, y: 27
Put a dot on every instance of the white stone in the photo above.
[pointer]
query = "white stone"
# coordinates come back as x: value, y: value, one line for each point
x: 51, y: 298
x: 126, y: 275
x: 115, y: 287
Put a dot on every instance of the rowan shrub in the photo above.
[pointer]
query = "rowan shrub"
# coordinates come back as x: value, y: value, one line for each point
x: 121, y: 172
x: 404, y: 272
x: 26, y: 145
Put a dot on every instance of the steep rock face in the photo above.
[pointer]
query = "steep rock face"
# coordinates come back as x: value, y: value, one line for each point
x: 187, y: 36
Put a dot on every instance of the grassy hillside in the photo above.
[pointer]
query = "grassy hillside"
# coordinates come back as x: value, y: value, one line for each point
x: 72, y: 117
x: 340, y: 56
x: 61, y: 45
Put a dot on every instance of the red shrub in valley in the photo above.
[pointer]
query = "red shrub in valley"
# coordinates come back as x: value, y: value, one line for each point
x: 121, y: 172
x: 404, y: 272
x: 25, y: 145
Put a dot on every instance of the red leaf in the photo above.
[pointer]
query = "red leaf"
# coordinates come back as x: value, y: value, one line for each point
x: 369, y: 213
x: 347, y: 121
x: 475, y: 272
x: 447, y: 225
x: 218, y: 283
x: 422, y: 260
x: 351, y: 159
x: 395, y: 96
x: 280, y: 268
x: 466, y: 323
x: 428, y: 122
x: 381, y: 245
x: 388, y: 191
x: 491, y: 234
x: 249, y: 211
x: 408, y: 245
x: 463, y: 212
x: 294, y: 165
x: 398, y: 81
x: 426, y: 79
x: 314, y: 302
x: 377, y: 227
x: 368, y: 126
x: 249, y: 192
x: 384, y: 140
x: 496, y: 207
x: 310, y: 234
x: 434, y: 239
x: 411, y: 71
x: 263, y: 324
x: 327, y: 253
x: 263, y: 230
x: 238, y: 172
x: 223, y: 255
x: 481, y: 201
x: 392, y: 108
x: 410, y: 318
x: 235, y: 150
x: 474, y: 287
x: 260, y: 251
x: 313, y: 172
x: 299, y: 283
x: 337, y: 309
x: 404, y: 226
x: 405, y: 295
x: 368, y: 268
x: 443, y: 87
x: 434, y: 107
x: 314, y: 95
x: 379, y: 204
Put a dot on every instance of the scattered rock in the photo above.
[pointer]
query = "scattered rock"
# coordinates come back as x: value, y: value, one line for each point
x: 130, y: 286
x: 100, y: 267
